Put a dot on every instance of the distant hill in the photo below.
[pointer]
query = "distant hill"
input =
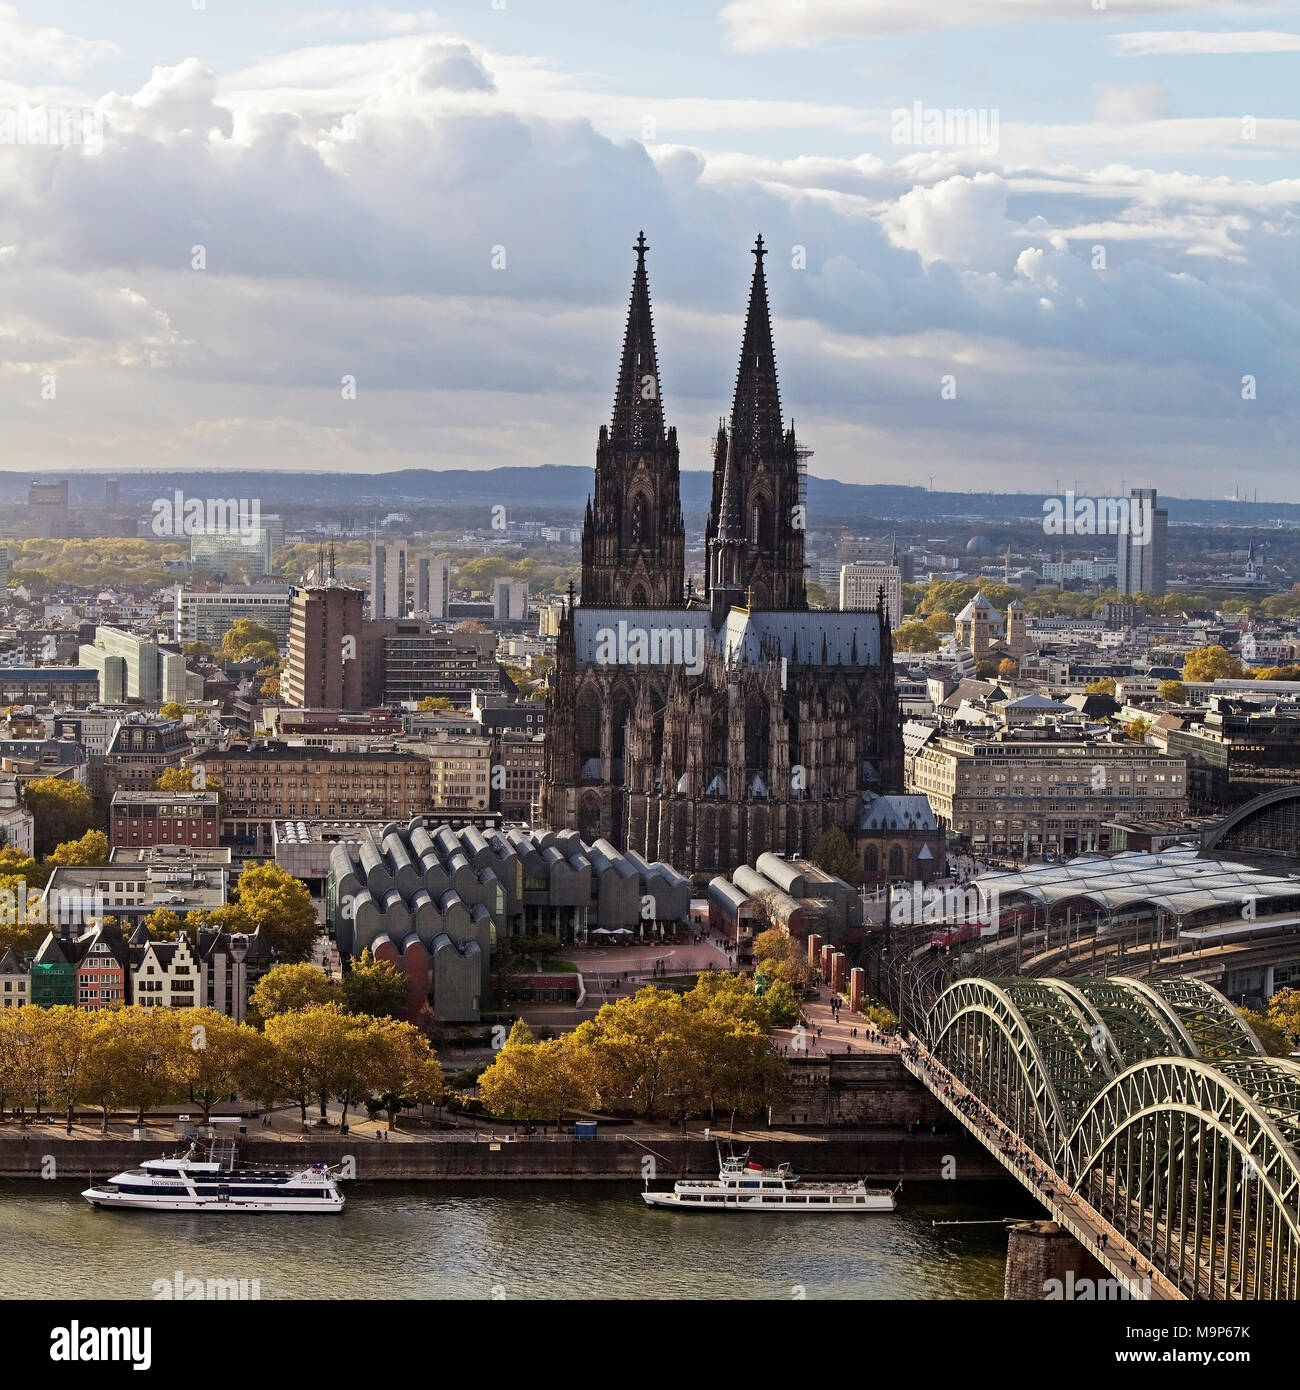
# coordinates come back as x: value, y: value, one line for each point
x: 559, y: 489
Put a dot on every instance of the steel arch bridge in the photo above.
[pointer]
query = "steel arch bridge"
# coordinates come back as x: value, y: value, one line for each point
x: 1155, y: 1103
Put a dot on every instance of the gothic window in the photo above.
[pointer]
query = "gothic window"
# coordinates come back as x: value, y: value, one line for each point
x: 589, y: 826
x: 872, y: 861
x: 639, y: 530
x: 639, y: 599
x: 760, y: 523
x: 896, y: 860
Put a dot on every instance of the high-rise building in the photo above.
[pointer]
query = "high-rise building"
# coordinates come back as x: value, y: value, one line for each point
x: 1142, y: 553
x: 324, y: 670
x: 388, y: 595
x: 47, y: 507
x: 112, y: 491
x: 248, y: 550
x: 860, y: 586
x: 4, y: 566
x: 433, y: 587
x: 510, y: 600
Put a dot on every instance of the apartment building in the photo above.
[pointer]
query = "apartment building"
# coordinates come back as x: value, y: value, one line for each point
x: 325, y: 636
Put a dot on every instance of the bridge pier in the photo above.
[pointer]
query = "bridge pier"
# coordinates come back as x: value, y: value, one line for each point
x: 1045, y: 1261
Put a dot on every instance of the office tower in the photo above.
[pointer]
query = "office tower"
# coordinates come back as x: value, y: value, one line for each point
x: 388, y: 579
x: 1143, y: 546
x: 324, y: 670
x: 112, y: 492
x: 247, y: 548
x: 510, y: 600
x: 860, y: 585
x: 47, y: 507
x: 433, y: 587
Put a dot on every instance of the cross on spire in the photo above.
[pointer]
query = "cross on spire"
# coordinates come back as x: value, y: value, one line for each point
x: 638, y: 408
x: 756, y: 410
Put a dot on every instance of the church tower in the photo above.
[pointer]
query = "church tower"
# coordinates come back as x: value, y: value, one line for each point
x: 764, y: 457
x: 633, y: 537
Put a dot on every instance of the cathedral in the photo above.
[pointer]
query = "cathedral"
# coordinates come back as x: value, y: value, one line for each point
x: 704, y: 728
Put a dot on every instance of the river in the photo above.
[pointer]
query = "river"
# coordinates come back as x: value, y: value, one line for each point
x: 509, y: 1240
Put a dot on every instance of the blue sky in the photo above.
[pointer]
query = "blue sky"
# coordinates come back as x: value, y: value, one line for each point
x: 441, y: 204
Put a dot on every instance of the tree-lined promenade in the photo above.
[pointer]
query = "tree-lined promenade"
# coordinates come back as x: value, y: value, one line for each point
x: 139, y: 1059
x: 313, y: 1043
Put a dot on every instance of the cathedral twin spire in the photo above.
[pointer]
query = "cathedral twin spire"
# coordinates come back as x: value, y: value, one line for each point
x: 633, y: 547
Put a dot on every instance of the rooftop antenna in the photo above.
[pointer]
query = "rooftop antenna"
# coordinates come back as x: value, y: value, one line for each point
x: 332, y: 561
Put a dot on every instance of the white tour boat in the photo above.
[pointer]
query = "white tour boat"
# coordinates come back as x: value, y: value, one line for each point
x: 745, y: 1186
x: 187, y: 1182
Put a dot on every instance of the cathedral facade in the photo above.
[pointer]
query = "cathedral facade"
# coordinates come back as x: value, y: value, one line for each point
x: 705, y: 728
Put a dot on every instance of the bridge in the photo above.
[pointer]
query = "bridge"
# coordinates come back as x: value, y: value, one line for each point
x: 1143, y: 1114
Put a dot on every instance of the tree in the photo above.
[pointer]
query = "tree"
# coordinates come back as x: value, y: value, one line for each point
x: 24, y: 1058
x: 269, y: 689
x: 212, y: 1056
x: 375, y: 987
x: 986, y: 668
x: 62, y: 810
x: 287, y: 988
x: 940, y: 622
x: 400, y: 1066
x: 530, y: 1080
x: 172, y: 710
x: 91, y: 851
x: 1137, y: 729
x: 1210, y: 664
x: 1270, y: 1034
x: 779, y: 956
x: 835, y: 855
x: 138, y: 1051
x: 1173, y: 692
x: 15, y: 863
x: 247, y: 640
x: 328, y: 1043
x: 269, y: 897
x: 163, y: 924
x: 916, y: 637
x: 1104, y: 686
x: 1008, y: 669
x: 22, y: 915
x: 197, y: 651
x: 1284, y: 1012
x: 432, y: 702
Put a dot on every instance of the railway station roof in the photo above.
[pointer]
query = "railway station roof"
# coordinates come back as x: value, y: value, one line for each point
x: 1180, y: 880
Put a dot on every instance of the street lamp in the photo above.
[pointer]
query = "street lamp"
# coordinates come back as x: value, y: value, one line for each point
x: 238, y: 977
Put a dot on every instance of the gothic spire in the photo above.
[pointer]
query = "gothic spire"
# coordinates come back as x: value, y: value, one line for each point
x: 756, y: 411
x: 731, y: 522
x: 638, y: 411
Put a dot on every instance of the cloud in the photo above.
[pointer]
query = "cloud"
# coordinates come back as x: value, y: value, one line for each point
x: 27, y: 48
x: 759, y: 24
x: 1201, y: 41
x: 1130, y: 102
x: 349, y: 198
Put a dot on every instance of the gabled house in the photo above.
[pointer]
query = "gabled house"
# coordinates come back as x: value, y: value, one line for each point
x: 166, y: 974
x: 15, y: 981
x: 102, y: 968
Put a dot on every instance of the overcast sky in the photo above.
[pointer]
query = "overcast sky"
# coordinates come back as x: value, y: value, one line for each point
x: 441, y: 205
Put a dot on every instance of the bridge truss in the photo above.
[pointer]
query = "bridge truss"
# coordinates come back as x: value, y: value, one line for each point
x: 1154, y: 1101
